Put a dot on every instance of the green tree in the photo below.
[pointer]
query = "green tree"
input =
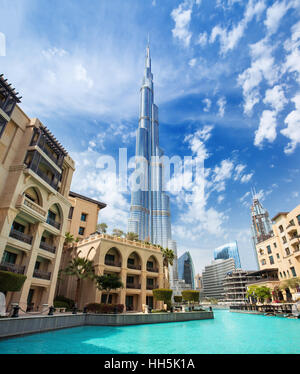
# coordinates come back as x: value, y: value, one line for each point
x: 101, y: 227
x: 81, y: 268
x: 132, y: 236
x: 118, y: 232
x: 190, y: 295
x: 108, y: 282
x: 292, y: 283
x: 164, y: 295
x: 69, y: 238
x: 168, y: 256
x: 263, y: 293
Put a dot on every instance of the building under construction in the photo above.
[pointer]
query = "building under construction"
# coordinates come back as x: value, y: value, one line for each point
x: 261, y: 225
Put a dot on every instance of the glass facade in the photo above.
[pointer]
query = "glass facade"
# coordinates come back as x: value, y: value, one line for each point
x: 150, y: 205
x: 229, y: 250
x: 186, y: 269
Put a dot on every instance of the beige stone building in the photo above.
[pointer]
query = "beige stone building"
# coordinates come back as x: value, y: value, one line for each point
x: 280, y: 253
x: 82, y: 221
x: 140, y: 267
x: 83, y: 215
x: 35, y: 178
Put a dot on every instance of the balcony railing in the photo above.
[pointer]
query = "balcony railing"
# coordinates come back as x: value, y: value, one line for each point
x: 133, y: 286
x: 53, y: 223
x: 151, y: 287
x: 48, y: 247
x: 6, y: 266
x: 41, y: 274
x: 20, y: 236
x: 112, y: 263
x: 132, y: 266
x: 154, y: 270
x: 23, y: 200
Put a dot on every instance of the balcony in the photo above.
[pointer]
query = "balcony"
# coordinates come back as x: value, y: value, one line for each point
x: 53, y: 223
x: 135, y: 267
x: 112, y: 263
x: 48, y: 247
x: 20, y: 236
x: 295, y: 240
x: 133, y: 286
x: 6, y: 266
x: 151, y: 287
x: 30, y: 208
x: 153, y: 270
x: 41, y: 274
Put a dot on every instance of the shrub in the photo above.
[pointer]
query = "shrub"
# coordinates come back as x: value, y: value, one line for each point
x: 70, y: 303
x: 158, y: 311
x: 60, y: 304
x: 11, y: 281
x: 178, y: 299
x: 190, y: 295
x: 104, y: 308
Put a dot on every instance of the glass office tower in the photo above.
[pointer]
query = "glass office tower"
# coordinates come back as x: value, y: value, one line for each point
x: 186, y: 269
x: 150, y: 205
x: 229, y: 250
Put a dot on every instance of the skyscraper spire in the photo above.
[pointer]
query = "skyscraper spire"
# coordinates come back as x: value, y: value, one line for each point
x: 150, y: 209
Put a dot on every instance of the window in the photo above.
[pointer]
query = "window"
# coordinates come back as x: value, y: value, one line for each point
x: 271, y: 260
x: 277, y: 255
x: 51, y: 215
x: 280, y: 275
x: 150, y: 282
x: 288, y: 273
x: 150, y: 264
x: 130, y: 279
x: 284, y: 274
x: 284, y: 239
x: 263, y: 262
x: 269, y: 249
x: 298, y: 218
x: 17, y: 226
x: 275, y: 245
x: 287, y: 251
x: 3, y: 123
x: 81, y: 231
x: 83, y: 217
x: 261, y: 251
x: 71, y: 212
x: 37, y: 265
x: 9, y: 257
x: 130, y: 261
x: 110, y: 258
x: 280, y: 228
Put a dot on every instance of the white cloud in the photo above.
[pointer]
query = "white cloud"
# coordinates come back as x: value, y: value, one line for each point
x: 221, y: 103
x: 267, y: 128
x: 276, y: 98
x: 274, y: 15
x: 207, y: 103
x: 202, y: 39
x: 238, y: 171
x: 81, y: 76
x: 230, y: 38
x: 292, y: 131
x: 262, y: 67
x: 246, y: 178
x: 192, y: 62
x: 182, y: 18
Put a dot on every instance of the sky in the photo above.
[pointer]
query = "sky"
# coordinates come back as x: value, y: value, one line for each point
x: 226, y: 81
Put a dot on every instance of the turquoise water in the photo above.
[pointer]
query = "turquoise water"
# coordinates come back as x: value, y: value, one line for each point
x: 227, y: 333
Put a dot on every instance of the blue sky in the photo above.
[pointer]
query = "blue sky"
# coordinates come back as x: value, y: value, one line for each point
x: 226, y: 77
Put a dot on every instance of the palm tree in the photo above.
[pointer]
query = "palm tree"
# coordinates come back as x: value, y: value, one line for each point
x: 168, y: 256
x: 81, y: 268
x: 69, y: 238
x: 118, y: 232
x: 101, y: 227
x: 108, y: 282
x: 132, y: 236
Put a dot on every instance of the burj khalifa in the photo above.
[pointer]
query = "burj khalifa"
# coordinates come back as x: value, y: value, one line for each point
x: 150, y: 205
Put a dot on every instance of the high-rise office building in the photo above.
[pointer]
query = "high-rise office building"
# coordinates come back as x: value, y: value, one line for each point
x: 186, y: 269
x: 213, y: 278
x: 229, y: 250
x: 261, y: 224
x: 150, y: 206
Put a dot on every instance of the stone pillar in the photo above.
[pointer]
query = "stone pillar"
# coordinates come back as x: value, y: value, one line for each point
x: 123, y: 275
x: 143, y: 281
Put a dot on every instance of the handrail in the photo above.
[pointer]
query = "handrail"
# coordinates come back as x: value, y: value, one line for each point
x: 20, y: 236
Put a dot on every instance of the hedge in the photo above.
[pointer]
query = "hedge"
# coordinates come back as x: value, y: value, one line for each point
x: 70, y: 303
x: 190, y: 295
x: 162, y: 294
x: 60, y: 304
x: 104, y: 308
x: 11, y: 281
x: 178, y: 299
